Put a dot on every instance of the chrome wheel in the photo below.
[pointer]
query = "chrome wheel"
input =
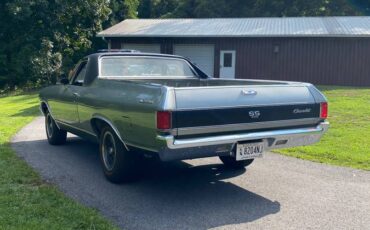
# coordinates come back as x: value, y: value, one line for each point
x: 109, y: 151
x: 49, y: 125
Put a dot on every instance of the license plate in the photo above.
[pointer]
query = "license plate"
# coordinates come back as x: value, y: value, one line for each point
x: 249, y: 151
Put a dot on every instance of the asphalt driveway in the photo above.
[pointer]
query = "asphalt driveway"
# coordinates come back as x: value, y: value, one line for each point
x: 275, y: 192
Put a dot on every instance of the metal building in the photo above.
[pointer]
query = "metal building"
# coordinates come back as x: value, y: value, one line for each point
x: 320, y: 50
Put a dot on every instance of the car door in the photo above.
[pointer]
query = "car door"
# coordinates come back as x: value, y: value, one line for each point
x: 65, y: 108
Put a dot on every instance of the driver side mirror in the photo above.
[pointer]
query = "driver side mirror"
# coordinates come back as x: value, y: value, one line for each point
x: 64, y: 79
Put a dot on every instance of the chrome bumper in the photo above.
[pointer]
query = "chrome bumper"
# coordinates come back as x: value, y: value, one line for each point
x: 273, y: 139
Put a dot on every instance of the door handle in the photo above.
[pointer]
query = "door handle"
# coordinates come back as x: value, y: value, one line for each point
x: 76, y: 94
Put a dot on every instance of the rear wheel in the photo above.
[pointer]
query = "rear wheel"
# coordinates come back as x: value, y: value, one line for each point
x: 119, y: 164
x: 231, y: 162
x: 55, y: 135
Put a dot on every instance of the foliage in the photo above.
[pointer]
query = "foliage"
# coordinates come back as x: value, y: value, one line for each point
x: 347, y: 141
x: 26, y: 201
x: 40, y: 32
x: 46, y: 63
x: 39, y: 39
x: 122, y: 10
x: 250, y: 8
x: 156, y: 8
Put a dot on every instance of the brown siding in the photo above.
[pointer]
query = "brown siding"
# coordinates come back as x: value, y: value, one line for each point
x: 329, y: 61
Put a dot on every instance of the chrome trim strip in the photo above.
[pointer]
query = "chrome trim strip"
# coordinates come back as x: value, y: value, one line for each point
x: 317, y: 131
x: 73, y: 127
x: 245, y: 106
x: 141, y: 147
x: 278, y: 84
x: 113, y: 127
x: 246, y: 126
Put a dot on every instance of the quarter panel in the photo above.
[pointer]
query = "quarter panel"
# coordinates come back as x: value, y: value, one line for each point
x: 129, y: 106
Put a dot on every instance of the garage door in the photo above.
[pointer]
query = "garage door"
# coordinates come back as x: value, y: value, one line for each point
x: 145, y: 48
x: 201, y: 55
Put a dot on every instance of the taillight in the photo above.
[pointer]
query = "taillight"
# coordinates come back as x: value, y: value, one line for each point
x: 324, y: 110
x: 164, y: 120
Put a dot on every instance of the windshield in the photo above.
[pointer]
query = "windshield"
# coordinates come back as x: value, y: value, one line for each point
x: 156, y: 67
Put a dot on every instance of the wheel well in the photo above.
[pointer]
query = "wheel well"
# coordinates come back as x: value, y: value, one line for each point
x: 44, y: 108
x: 97, y: 125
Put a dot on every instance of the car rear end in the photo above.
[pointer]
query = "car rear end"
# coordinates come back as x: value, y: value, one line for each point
x: 242, y: 120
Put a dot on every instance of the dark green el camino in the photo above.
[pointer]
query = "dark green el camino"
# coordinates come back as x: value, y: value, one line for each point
x: 133, y: 103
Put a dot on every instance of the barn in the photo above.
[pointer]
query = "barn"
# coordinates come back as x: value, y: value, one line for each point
x: 320, y: 50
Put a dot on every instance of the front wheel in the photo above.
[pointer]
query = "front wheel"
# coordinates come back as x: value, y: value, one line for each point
x: 55, y: 135
x: 119, y: 164
x: 231, y: 162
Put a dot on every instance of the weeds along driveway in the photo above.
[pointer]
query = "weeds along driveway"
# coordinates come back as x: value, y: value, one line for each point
x: 277, y: 192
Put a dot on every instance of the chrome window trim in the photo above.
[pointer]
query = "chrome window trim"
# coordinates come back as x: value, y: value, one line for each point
x: 146, y: 78
x: 246, y: 126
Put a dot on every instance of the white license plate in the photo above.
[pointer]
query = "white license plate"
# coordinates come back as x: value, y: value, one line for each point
x: 249, y: 151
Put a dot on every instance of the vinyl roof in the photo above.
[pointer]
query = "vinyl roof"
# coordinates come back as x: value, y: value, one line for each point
x: 242, y: 27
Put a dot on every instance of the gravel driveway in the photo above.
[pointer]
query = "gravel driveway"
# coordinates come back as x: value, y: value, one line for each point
x: 276, y: 192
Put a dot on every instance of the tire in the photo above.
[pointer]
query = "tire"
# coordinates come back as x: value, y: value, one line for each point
x: 119, y: 165
x: 55, y: 135
x: 231, y: 162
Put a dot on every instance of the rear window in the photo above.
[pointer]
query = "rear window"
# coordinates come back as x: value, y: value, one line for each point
x: 136, y: 67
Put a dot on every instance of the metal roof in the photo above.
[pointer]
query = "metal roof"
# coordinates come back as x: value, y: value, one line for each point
x: 357, y: 26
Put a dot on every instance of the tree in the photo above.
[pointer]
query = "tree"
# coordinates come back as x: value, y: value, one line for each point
x: 156, y: 8
x: 121, y: 10
x: 39, y: 31
x: 251, y: 8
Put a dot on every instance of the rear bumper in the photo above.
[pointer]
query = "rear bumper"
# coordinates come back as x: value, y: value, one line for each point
x: 176, y: 149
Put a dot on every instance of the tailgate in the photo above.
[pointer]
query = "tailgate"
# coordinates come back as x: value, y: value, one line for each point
x: 223, y: 109
x: 217, y: 97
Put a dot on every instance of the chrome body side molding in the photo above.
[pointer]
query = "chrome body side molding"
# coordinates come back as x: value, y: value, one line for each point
x: 74, y: 127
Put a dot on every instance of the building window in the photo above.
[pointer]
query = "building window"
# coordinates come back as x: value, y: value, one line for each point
x: 228, y: 57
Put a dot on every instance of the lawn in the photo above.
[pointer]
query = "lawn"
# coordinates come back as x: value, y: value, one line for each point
x: 26, y: 202
x: 347, y: 142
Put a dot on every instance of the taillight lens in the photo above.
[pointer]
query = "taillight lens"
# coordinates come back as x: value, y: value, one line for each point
x: 324, y: 110
x: 164, y: 120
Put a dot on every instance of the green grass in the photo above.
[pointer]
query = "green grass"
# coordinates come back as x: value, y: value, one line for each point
x: 26, y: 202
x: 347, y: 143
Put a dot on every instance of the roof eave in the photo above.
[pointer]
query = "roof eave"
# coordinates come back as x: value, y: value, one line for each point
x: 236, y: 36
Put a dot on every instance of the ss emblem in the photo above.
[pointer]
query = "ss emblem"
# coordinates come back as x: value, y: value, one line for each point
x: 254, y: 114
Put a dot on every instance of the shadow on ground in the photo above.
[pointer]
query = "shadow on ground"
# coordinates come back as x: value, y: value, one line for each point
x: 175, y: 195
x: 31, y: 111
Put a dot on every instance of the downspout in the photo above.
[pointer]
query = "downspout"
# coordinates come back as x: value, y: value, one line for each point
x: 108, y: 41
